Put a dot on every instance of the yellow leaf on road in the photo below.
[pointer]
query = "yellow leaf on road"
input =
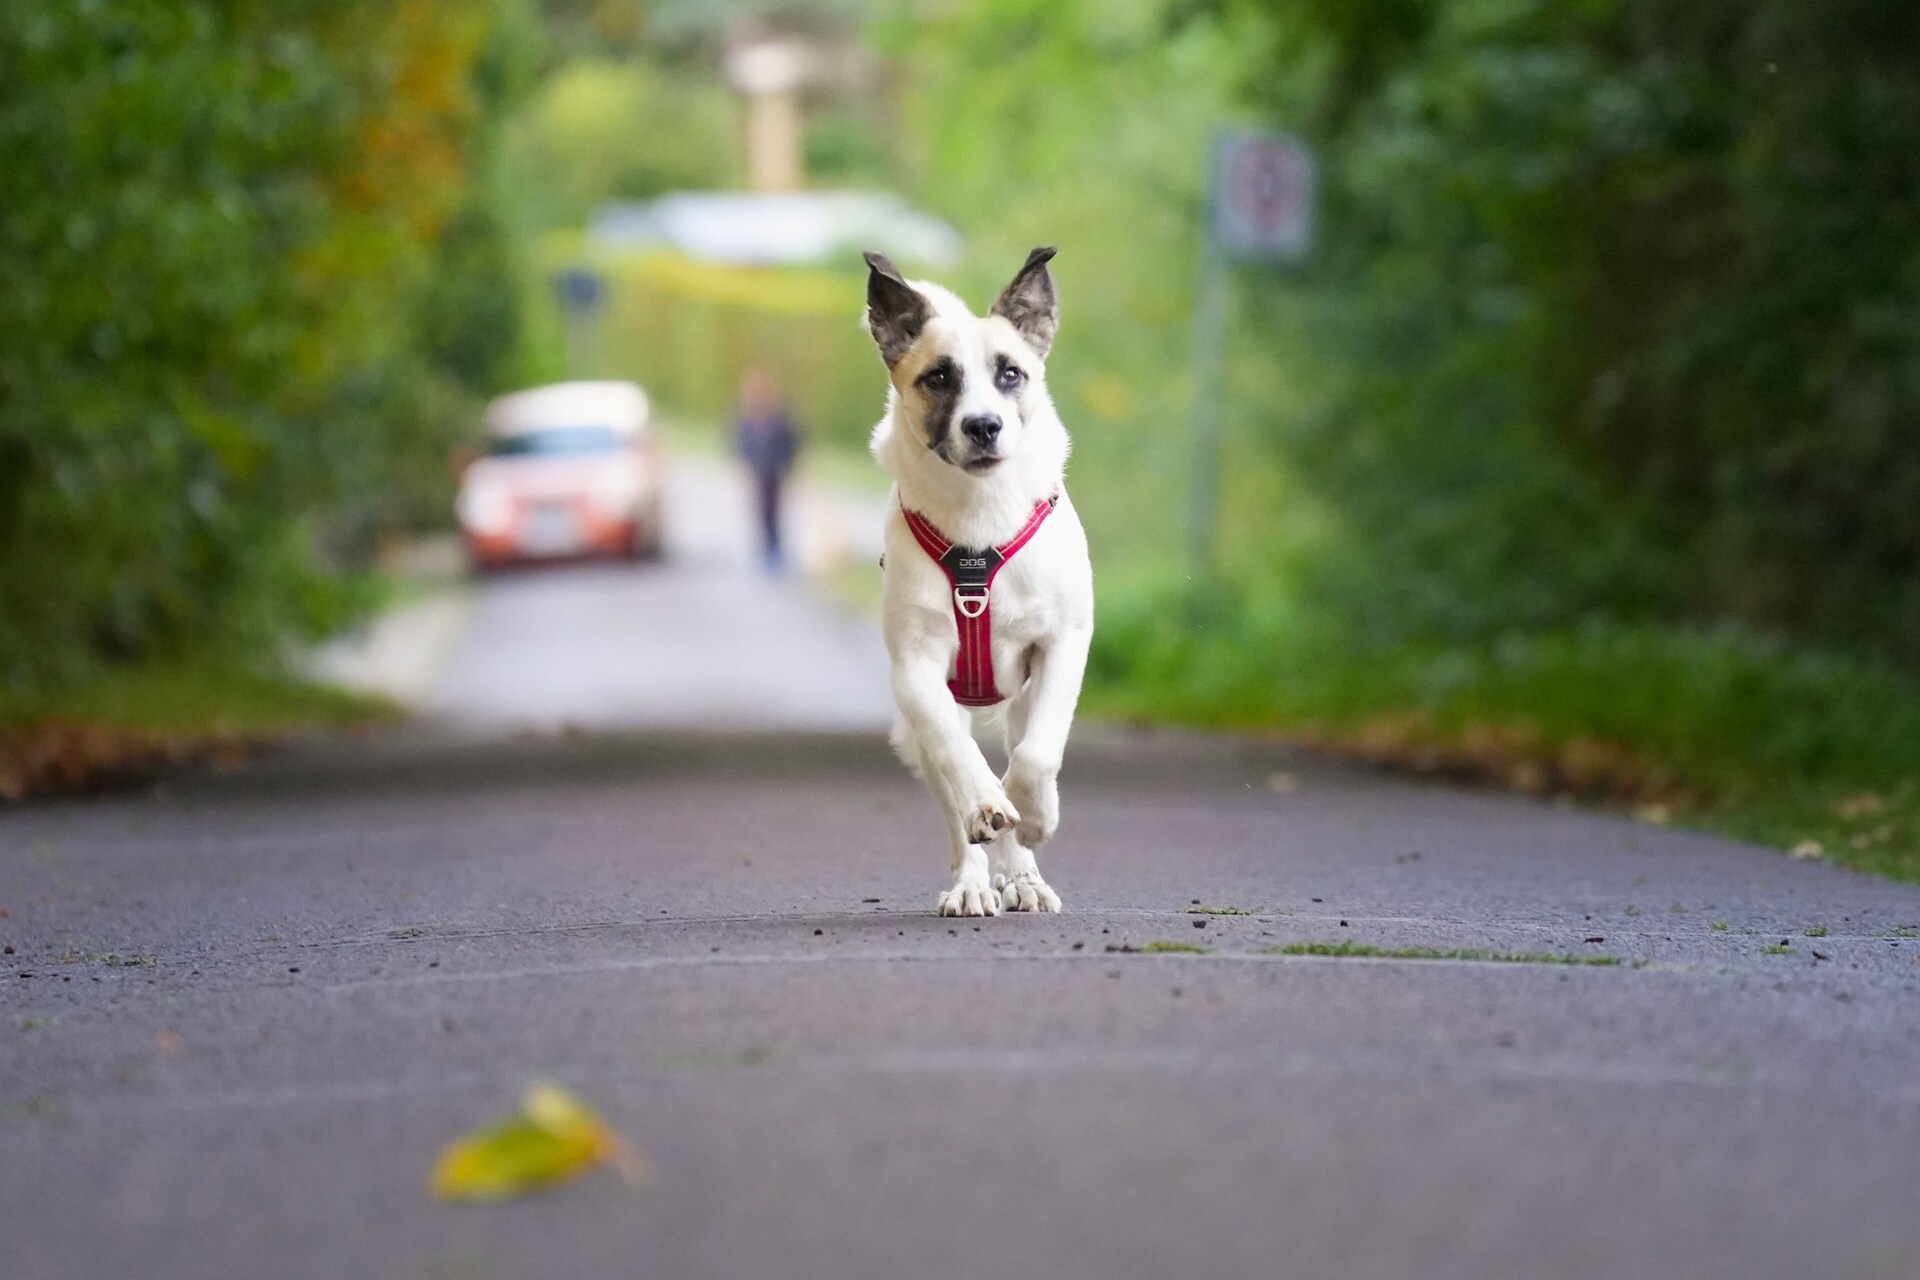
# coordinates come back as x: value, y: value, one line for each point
x: 555, y: 1138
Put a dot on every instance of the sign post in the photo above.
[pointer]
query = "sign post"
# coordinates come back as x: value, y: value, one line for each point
x: 1259, y: 209
x: 581, y: 292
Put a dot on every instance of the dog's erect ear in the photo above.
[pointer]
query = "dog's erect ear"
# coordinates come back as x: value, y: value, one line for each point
x: 1029, y: 303
x: 896, y: 311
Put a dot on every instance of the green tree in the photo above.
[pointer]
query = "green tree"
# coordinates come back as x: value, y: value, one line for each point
x: 603, y: 129
x: 221, y: 227
x: 1623, y: 302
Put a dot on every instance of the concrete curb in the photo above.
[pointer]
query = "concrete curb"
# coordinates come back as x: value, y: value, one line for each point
x: 400, y: 654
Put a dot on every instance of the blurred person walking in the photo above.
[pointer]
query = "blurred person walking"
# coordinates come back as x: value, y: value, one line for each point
x: 768, y: 442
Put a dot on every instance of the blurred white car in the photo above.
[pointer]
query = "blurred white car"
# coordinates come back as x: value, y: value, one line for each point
x: 570, y: 470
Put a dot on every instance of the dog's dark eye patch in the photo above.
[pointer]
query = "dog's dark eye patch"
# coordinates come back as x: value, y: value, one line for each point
x: 942, y: 375
x: 941, y: 384
x: 1006, y: 374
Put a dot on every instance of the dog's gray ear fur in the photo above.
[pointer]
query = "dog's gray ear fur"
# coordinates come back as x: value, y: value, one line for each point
x: 896, y: 311
x: 1029, y: 303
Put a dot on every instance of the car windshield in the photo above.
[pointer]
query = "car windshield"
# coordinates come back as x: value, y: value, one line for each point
x: 557, y: 442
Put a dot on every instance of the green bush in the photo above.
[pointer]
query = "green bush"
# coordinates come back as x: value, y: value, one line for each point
x: 686, y: 329
x: 228, y: 233
x: 600, y: 129
x: 1724, y: 727
x: 1622, y: 300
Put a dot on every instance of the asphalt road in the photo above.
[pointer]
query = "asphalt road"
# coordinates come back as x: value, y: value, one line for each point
x: 243, y: 1011
x: 703, y: 639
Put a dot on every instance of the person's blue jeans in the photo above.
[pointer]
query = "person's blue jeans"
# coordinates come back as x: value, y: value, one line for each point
x: 771, y: 553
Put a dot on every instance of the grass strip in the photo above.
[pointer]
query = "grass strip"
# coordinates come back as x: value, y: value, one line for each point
x: 1361, y: 949
x: 137, y: 717
x: 1813, y: 754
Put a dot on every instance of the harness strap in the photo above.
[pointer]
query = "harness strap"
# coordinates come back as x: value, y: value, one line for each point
x: 971, y: 571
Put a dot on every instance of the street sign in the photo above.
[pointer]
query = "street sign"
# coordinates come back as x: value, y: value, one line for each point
x: 580, y: 290
x: 1262, y: 196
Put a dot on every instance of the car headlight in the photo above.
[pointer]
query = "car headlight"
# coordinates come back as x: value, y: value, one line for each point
x: 485, y: 508
x: 617, y: 492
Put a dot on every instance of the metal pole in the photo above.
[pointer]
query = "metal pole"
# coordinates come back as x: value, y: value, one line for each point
x: 1209, y: 377
x: 574, y: 342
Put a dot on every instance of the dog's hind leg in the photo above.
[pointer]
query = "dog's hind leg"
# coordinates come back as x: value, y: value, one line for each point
x: 1037, y: 727
x: 1016, y: 877
x: 1016, y: 873
x: 901, y: 740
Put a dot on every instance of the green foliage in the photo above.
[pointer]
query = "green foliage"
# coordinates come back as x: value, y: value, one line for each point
x: 1620, y: 301
x: 843, y: 149
x: 686, y: 329
x: 197, y: 698
x: 600, y: 130
x: 1717, y: 707
x: 228, y: 244
x: 1478, y: 955
x: 1725, y: 728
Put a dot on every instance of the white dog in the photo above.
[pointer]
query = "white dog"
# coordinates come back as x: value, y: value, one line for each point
x: 989, y: 592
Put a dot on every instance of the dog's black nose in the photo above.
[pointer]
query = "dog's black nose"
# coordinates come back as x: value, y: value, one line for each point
x: 982, y: 429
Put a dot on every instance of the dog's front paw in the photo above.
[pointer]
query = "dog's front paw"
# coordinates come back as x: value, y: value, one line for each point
x: 989, y: 818
x: 1026, y: 892
x: 1036, y: 792
x: 970, y: 896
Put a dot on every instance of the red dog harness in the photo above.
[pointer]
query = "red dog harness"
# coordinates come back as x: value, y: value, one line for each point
x: 971, y: 571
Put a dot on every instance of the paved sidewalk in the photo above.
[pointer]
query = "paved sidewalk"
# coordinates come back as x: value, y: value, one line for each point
x: 701, y: 639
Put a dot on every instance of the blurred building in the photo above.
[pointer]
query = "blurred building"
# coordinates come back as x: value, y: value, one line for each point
x: 769, y: 73
x: 794, y: 228
x: 779, y: 74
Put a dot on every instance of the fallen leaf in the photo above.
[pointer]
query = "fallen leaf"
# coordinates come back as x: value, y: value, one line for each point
x: 1807, y: 849
x: 555, y: 1138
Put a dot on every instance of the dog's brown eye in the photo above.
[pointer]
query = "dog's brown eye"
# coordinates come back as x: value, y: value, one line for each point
x: 1009, y: 378
x: 936, y: 380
